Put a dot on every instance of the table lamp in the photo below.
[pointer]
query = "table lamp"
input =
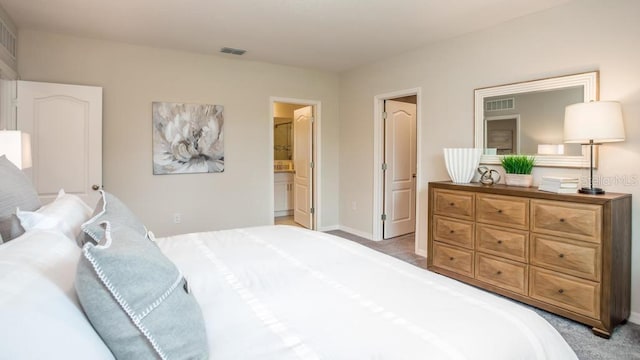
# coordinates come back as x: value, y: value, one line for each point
x: 16, y: 145
x: 593, y: 123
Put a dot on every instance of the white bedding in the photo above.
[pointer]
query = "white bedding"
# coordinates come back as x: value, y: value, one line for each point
x: 281, y: 292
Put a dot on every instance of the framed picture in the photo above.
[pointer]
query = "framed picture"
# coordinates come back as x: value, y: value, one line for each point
x: 187, y: 138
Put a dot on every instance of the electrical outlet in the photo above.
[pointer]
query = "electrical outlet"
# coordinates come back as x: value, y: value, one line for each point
x: 177, y: 218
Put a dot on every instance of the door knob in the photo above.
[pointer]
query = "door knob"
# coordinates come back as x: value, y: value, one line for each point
x: 95, y: 187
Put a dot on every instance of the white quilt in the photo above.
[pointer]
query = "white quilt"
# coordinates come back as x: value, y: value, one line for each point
x: 280, y: 292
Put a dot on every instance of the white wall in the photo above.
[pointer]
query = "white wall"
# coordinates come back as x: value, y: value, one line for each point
x: 134, y: 76
x: 581, y: 36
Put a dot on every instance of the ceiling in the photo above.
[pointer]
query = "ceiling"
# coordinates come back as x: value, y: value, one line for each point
x: 331, y: 35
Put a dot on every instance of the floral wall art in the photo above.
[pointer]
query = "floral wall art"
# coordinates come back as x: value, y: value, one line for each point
x: 187, y: 138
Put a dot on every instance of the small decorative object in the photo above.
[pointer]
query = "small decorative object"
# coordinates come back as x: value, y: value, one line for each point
x: 518, y: 169
x: 461, y: 163
x: 187, y: 138
x: 487, y: 175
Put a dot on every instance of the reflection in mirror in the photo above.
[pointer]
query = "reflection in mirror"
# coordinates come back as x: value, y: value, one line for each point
x: 282, y: 139
x: 528, y: 118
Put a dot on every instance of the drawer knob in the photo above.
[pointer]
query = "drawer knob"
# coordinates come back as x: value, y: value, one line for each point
x: 561, y: 219
x: 561, y: 255
x: 451, y: 258
x: 499, y: 211
x: 451, y: 231
x: 499, y: 272
x: 499, y: 241
x: 561, y: 291
x: 452, y: 204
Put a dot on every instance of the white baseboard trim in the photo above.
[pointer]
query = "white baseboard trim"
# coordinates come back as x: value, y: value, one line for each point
x: 329, y: 228
x: 362, y: 234
x: 634, y: 318
x: 422, y: 253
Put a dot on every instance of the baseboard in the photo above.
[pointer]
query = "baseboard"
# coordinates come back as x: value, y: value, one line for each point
x: 362, y: 234
x: 329, y: 228
x: 634, y: 318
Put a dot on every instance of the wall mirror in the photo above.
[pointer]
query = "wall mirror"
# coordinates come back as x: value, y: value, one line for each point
x: 528, y: 118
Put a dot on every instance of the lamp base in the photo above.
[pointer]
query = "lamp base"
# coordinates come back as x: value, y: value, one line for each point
x: 591, y: 191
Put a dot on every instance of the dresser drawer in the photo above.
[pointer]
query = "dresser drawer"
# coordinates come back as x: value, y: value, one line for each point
x: 455, y: 232
x: 506, y: 274
x: 455, y: 259
x: 508, y: 243
x: 459, y: 204
x: 568, y: 256
x: 580, y: 221
x: 501, y: 210
x: 568, y: 292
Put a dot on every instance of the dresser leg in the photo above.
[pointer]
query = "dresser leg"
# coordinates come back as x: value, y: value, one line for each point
x: 601, y: 333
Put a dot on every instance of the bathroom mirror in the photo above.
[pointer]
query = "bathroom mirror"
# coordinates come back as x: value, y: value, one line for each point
x: 528, y: 118
x: 282, y: 138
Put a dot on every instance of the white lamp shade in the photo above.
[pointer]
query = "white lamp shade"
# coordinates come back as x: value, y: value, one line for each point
x: 16, y: 145
x: 600, y: 121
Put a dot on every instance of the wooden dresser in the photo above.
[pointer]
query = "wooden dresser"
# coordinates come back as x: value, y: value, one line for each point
x: 567, y: 254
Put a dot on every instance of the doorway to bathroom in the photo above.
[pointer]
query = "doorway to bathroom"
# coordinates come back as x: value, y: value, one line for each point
x: 295, y: 126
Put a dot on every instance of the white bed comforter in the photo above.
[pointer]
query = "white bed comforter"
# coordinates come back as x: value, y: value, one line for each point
x: 282, y: 292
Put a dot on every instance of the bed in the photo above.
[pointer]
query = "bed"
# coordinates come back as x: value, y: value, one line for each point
x: 270, y: 292
x: 281, y: 292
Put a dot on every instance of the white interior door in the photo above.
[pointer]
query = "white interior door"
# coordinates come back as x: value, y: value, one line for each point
x: 302, y: 160
x: 65, y: 123
x: 400, y: 176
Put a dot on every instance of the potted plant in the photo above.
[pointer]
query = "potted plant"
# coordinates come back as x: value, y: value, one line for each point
x: 518, y: 169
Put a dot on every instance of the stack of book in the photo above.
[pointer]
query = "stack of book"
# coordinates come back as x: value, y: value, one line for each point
x: 559, y: 184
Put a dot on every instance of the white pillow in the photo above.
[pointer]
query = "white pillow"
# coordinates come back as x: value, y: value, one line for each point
x: 65, y: 214
x: 40, y: 315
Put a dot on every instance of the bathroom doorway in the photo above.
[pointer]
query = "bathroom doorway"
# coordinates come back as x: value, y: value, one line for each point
x: 295, y: 138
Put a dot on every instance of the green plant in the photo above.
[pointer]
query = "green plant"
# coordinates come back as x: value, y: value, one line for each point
x: 518, y: 164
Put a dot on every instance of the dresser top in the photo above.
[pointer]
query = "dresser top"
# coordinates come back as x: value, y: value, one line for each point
x: 531, y: 192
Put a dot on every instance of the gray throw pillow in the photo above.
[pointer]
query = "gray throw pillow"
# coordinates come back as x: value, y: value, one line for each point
x: 111, y: 209
x: 137, y: 300
x: 10, y: 227
x: 16, y: 191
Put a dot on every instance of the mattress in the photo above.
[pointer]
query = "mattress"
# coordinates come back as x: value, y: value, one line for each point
x: 281, y: 292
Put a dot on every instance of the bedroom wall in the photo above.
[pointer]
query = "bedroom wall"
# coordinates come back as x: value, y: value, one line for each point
x: 134, y: 76
x: 580, y: 36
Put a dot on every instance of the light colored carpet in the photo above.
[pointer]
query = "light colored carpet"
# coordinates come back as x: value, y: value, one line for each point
x: 623, y: 345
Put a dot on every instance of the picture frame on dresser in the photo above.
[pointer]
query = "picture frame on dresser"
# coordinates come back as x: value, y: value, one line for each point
x: 569, y: 254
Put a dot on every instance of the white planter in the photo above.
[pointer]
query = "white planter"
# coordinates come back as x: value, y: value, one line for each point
x: 462, y: 163
x: 523, y: 180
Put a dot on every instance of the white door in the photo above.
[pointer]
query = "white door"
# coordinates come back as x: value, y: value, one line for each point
x: 65, y: 123
x: 302, y: 164
x: 400, y: 176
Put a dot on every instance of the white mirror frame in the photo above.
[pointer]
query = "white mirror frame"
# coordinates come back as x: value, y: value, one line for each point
x: 589, y: 81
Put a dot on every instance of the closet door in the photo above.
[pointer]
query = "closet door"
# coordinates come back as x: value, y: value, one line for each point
x: 65, y: 123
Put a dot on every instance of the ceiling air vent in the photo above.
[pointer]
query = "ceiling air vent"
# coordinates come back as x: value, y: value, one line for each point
x: 500, y: 104
x: 228, y: 50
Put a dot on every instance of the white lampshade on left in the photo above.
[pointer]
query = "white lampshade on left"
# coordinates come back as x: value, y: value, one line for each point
x: 16, y: 145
